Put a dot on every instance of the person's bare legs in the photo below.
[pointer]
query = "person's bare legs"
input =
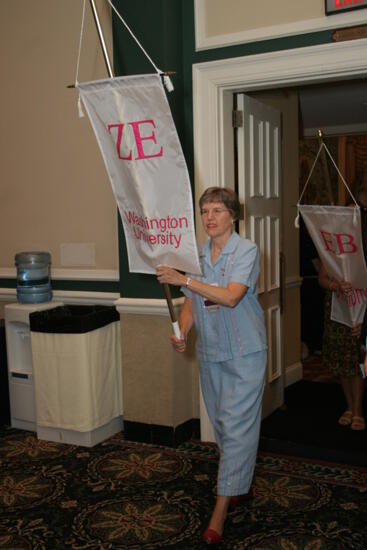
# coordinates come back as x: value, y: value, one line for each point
x: 353, y: 388
x: 219, y: 514
x: 357, y: 386
x: 358, y: 421
x: 346, y: 417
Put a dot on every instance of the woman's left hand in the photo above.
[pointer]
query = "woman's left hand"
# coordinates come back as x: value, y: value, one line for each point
x: 169, y: 275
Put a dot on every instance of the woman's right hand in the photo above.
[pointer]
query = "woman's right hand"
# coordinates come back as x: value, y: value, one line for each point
x: 179, y: 344
x: 185, y: 323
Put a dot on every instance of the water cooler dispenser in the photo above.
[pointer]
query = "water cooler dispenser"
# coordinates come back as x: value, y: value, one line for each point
x: 33, y: 277
x: 20, y: 371
x: 64, y: 362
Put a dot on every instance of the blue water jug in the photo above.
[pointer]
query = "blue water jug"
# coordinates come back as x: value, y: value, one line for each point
x: 33, y: 277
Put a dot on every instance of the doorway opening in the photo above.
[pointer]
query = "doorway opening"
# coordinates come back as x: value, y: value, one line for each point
x: 339, y: 109
x: 214, y: 85
x: 312, y: 409
x: 320, y: 109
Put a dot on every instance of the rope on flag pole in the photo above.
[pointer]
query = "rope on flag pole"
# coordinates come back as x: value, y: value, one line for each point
x: 165, y: 75
x: 323, y: 148
x: 166, y: 79
x: 166, y: 289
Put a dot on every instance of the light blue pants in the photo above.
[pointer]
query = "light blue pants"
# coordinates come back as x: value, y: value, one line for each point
x: 232, y: 391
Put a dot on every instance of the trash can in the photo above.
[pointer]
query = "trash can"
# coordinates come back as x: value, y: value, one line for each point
x: 76, y: 355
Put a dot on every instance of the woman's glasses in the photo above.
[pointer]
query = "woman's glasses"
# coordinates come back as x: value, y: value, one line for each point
x: 213, y: 211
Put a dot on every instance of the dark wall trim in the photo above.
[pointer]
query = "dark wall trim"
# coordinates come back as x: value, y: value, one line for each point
x: 67, y: 284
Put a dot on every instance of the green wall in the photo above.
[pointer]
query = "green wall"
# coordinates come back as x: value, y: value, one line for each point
x: 157, y: 25
x: 167, y: 32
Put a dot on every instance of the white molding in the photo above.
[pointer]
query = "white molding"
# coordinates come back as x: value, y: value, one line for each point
x: 214, y: 80
x: 84, y: 297
x: 8, y: 295
x: 70, y: 274
x: 292, y: 374
x: 274, y: 338
x: 146, y: 306
x: 141, y: 306
x: 317, y: 24
x: 8, y: 272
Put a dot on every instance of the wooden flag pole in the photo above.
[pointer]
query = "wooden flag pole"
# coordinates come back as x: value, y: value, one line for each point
x: 175, y: 325
x: 101, y: 38
x: 166, y: 289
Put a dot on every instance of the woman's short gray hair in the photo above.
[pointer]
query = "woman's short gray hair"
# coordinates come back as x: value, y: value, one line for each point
x: 222, y: 194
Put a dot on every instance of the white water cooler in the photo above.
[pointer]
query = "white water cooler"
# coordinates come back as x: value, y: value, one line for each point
x: 20, y: 371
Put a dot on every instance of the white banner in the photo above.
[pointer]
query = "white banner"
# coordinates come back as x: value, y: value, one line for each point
x: 337, y: 235
x: 134, y: 128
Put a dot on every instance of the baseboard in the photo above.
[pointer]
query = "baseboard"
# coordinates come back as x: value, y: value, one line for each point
x: 162, y: 435
x: 293, y: 374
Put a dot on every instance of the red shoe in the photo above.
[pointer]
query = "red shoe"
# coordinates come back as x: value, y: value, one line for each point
x: 212, y: 537
x: 239, y: 499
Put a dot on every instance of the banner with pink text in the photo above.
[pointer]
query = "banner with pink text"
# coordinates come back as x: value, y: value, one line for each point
x: 135, y: 131
x: 337, y: 235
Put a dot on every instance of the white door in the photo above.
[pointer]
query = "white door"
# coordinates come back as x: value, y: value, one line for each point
x: 259, y: 184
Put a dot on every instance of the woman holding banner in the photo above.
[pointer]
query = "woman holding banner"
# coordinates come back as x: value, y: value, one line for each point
x: 341, y: 350
x: 341, y: 355
x: 231, y: 346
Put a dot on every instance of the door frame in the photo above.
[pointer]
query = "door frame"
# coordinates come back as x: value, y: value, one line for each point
x: 214, y: 83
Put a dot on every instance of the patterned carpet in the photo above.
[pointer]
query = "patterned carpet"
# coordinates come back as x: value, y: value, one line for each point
x: 127, y: 495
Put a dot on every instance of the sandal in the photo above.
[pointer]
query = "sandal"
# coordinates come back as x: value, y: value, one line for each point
x: 346, y: 418
x: 358, y: 423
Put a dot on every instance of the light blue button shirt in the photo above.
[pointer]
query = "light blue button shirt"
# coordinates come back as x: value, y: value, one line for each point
x: 224, y: 333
